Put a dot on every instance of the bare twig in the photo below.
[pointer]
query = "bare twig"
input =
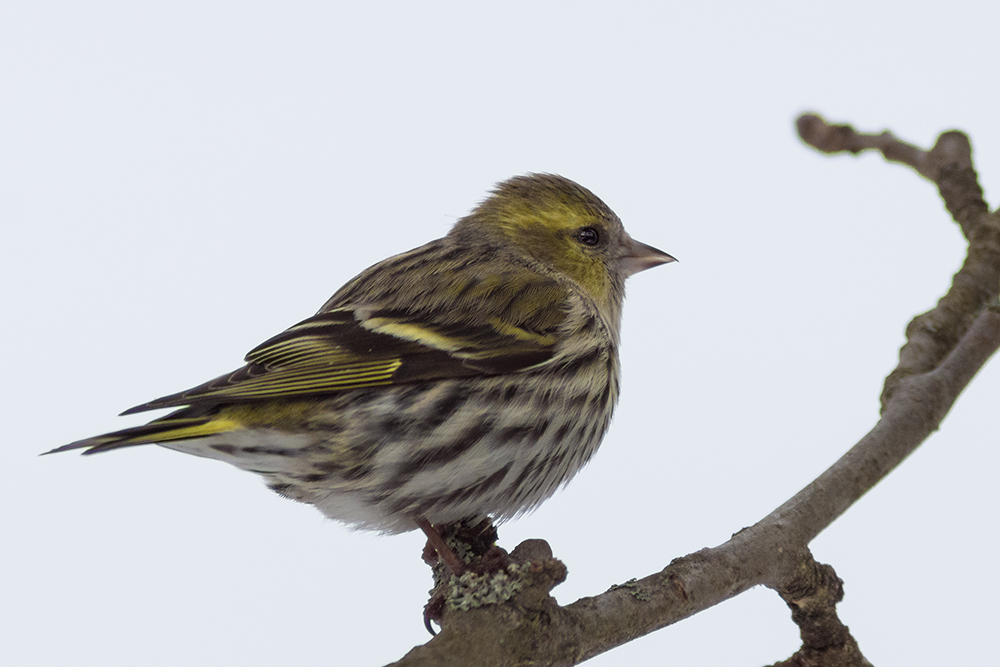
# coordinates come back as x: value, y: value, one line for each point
x: 949, y: 165
x: 945, y: 348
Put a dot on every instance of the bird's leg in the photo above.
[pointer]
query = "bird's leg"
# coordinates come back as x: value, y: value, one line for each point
x: 445, y: 552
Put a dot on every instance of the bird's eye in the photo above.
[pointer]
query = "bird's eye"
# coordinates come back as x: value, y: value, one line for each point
x: 588, y: 236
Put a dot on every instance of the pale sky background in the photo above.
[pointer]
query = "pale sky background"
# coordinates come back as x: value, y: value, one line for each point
x: 179, y: 181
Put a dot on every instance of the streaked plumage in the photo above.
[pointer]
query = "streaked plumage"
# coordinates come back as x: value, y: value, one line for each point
x: 471, y: 376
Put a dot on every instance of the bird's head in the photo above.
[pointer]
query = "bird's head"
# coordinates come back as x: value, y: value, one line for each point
x: 564, y: 226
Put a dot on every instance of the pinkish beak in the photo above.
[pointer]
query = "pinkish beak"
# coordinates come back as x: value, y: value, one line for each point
x: 641, y: 257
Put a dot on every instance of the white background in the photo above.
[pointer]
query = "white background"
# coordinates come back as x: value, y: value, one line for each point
x: 179, y: 181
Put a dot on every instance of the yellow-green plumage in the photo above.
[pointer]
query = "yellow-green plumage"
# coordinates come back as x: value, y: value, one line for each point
x: 468, y: 377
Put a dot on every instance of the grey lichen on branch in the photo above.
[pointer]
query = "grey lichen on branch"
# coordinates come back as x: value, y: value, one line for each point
x: 945, y: 348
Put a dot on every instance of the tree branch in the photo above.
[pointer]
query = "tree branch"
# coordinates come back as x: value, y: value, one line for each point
x: 813, y: 598
x: 945, y: 348
x: 949, y: 165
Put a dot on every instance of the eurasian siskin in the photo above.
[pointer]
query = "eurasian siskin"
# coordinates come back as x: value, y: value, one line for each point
x: 469, y: 377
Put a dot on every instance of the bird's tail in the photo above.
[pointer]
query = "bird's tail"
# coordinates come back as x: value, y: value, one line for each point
x: 166, y: 429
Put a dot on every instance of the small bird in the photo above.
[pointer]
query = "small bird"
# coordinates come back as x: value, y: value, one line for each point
x: 468, y: 378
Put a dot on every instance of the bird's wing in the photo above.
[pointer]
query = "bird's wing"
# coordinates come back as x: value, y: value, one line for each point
x: 489, y: 326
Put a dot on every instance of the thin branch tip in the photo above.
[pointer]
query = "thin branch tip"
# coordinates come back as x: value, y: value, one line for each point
x: 824, y: 137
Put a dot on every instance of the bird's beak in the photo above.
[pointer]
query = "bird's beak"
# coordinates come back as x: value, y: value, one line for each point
x: 639, y: 257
